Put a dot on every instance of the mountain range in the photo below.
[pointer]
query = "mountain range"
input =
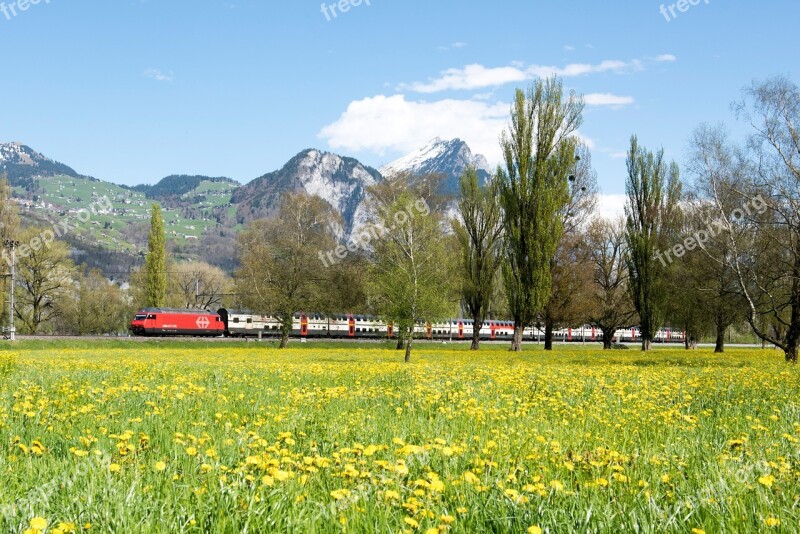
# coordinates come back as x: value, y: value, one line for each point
x: 203, y: 213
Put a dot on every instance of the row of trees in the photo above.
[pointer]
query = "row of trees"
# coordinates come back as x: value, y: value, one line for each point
x: 700, y: 255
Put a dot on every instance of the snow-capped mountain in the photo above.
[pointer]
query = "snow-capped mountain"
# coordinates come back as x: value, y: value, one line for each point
x: 21, y: 162
x: 449, y: 158
x: 340, y: 181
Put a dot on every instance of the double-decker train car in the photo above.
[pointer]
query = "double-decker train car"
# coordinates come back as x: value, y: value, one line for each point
x: 231, y: 323
x: 176, y: 322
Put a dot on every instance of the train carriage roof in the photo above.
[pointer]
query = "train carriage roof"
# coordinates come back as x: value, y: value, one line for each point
x: 176, y: 311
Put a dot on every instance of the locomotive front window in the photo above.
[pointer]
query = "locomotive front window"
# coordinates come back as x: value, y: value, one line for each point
x: 140, y: 318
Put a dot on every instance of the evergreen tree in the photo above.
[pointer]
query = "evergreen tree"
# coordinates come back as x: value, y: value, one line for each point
x: 155, y: 265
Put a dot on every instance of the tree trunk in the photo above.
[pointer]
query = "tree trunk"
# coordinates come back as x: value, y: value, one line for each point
x: 476, y: 333
x: 408, y: 349
x: 548, y: 334
x: 516, y: 343
x: 401, y: 343
x: 647, y: 344
x: 286, y: 329
x: 719, y: 346
x: 476, y: 341
x: 793, y: 334
x: 608, y: 337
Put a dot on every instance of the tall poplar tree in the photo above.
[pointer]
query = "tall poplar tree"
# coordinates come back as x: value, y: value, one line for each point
x: 155, y: 265
x: 479, y: 234
x: 653, y: 188
x: 539, y: 152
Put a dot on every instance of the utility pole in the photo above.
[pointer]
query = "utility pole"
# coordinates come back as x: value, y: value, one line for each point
x: 12, y: 244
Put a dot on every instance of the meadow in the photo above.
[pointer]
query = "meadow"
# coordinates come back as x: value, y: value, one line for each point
x: 176, y: 437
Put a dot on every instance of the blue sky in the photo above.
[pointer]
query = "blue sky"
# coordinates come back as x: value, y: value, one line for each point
x: 133, y: 90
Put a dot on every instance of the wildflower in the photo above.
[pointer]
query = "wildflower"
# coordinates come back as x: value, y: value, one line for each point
x: 535, y: 529
x: 470, y: 477
x: 114, y: 468
x: 766, y: 480
x: 772, y: 522
x: 411, y: 522
x: 160, y: 466
x: 340, y: 494
x: 38, y: 523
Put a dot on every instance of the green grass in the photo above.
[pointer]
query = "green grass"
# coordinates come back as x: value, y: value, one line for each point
x: 335, y: 438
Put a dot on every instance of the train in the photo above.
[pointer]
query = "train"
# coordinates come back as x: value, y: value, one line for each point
x: 243, y: 324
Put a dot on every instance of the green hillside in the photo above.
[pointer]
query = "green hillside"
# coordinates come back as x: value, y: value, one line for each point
x: 120, y: 216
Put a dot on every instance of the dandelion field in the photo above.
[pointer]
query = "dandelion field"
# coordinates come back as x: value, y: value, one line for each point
x: 245, y: 438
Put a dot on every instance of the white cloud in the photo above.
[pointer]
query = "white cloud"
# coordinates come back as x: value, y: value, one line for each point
x: 477, y: 76
x: 157, y: 75
x: 611, y: 206
x: 384, y: 124
x: 388, y: 124
x: 456, y: 45
x: 470, y: 77
x: 607, y: 99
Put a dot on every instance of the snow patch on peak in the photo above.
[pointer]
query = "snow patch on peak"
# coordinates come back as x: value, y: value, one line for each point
x: 437, y: 156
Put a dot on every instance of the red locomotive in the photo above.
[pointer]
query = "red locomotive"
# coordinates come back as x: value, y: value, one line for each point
x: 173, y: 322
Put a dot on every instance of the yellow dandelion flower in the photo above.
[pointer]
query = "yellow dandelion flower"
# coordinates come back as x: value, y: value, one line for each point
x: 38, y: 523
x: 160, y: 466
x: 766, y: 480
x: 535, y: 529
x: 411, y: 522
x: 772, y: 522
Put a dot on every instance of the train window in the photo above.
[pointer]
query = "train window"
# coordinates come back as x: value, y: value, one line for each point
x: 151, y: 316
x: 249, y: 320
x: 140, y: 318
x: 235, y: 320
